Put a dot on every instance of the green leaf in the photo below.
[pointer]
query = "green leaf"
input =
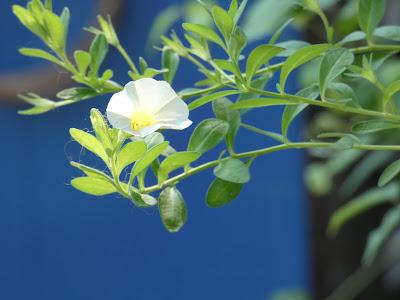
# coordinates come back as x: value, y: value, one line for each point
x: 232, y: 170
x: 292, y: 111
x: 49, y: 4
x: 291, y: 47
x: 240, y: 11
x: 222, y: 192
x: 170, y: 61
x: 372, y: 126
x: 93, y: 186
x: 370, y: 14
x: 223, y: 21
x: 56, y: 29
x: 260, y: 102
x: 33, y: 52
x: 91, y: 172
x: 258, y: 57
x: 223, y: 111
x: 225, y: 65
x: 380, y: 235
x: 65, y: 18
x: 26, y: 18
x: 130, y: 153
x: 77, y: 93
x: 333, y: 64
x: 362, y: 203
x: 148, y: 158
x: 208, y: 98
x: 353, y: 37
x: 142, y: 200
x: 108, y: 31
x: 389, y: 173
x: 299, y: 58
x: 82, y: 59
x: 172, y: 209
x: 392, y: 89
x: 100, y: 128
x: 233, y: 7
x: 237, y: 43
x: 175, y: 161
x: 204, y: 32
x: 279, y: 31
x: 98, y: 51
x: 207, y: 135
x: 388, y: 32
x: 37, y: 110
x: 89, y: 142
x: 340, y: 92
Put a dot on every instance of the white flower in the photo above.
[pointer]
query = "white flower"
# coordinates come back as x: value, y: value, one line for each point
x: 146, y: 105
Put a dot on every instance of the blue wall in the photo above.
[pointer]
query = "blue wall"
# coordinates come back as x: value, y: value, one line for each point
x: 57, y: 243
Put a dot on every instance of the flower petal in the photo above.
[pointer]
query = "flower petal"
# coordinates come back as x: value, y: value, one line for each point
x: 119, y: 121
x: 121, y: 103
x: 177, y: 125
x: 175, y: 110
x: 145, y: 131
x: 153, y: 95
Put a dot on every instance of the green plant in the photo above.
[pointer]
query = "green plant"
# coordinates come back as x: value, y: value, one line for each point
x: 346, y: 67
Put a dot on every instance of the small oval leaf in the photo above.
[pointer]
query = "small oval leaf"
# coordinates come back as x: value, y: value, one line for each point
x: 232, y: 170
x: 207, y: 135
x: 222, y: 192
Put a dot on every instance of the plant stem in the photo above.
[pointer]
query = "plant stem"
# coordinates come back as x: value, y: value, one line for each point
x: 335, y: 106
x: 328, y: 28
x: 127, y: 58
x: 256, y: 153
x: 270, y: 134
x: 375, y: 48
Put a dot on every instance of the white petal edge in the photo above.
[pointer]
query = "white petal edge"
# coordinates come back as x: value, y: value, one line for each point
x: 121, y: 104
x: 177, y: 125
x: 176, y: 109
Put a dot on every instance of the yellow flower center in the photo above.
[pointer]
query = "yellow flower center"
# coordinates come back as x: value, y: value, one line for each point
x: 142, y: 119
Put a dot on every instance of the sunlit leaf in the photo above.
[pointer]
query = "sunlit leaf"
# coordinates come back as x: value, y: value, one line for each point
x: 175, y: 161
x: 93, y: 186
x: 130, y: 153
x: 89, y: 142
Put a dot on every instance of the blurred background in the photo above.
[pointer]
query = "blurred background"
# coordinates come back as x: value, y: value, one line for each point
x: 57, y: 243
x: 270, y: 243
